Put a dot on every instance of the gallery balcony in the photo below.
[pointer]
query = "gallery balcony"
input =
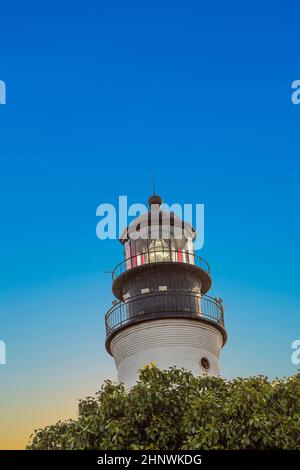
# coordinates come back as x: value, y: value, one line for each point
x: 163, y: 260
x: 164, y: 304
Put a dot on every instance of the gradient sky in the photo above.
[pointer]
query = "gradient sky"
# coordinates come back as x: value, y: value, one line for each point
x: 101, y: 96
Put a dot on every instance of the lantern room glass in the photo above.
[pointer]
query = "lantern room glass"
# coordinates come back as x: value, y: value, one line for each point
x: 143, y: 251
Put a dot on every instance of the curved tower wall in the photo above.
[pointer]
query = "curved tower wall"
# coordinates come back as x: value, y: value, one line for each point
x: 167, y: 343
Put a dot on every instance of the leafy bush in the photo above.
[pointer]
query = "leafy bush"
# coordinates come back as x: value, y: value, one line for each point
x: 174, y: 410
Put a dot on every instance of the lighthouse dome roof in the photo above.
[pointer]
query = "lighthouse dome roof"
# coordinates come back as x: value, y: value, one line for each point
x: 160, y: 221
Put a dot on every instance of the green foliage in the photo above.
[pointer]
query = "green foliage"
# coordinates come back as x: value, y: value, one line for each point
x: 175, y: 410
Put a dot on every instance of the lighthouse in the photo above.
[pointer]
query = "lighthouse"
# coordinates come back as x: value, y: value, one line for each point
x: 162, y: 312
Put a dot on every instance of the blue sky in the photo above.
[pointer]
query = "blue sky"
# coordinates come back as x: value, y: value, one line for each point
x: 101, y: 96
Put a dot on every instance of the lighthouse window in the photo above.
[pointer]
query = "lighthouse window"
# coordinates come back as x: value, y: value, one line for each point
x: 205, y: 363
x: 142, y: 251
x: 135, y: 252
x: 159, y: 250
x: 190, y: 250
x: 127, y: 254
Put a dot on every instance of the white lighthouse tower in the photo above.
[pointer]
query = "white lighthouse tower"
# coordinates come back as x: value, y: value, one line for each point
x: 163, y: 314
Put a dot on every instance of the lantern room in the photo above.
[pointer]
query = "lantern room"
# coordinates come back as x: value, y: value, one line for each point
x: 158, y: 236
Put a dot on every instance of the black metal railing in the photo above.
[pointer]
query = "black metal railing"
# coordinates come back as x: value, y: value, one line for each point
x: 154, y: 305
x: 159, y: 256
